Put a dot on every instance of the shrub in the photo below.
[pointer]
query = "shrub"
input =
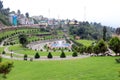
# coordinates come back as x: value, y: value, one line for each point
x: 0, y: 59
x: 41, y: 50
x: 69, y: 50
x: 62, y: 55
x: 118, y: 60
x: 5, y: 68
x: 50, y: 55
x: 25, y: 57
x: 74, y: 54
x: 37, y: 55
x: 3, y: 52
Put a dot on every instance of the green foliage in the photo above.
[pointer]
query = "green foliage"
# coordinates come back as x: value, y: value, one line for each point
x: 96, y: 49
x: 77, y: 43
x: 74, y: 54
x: 3, y: 52
x: 62, y: 55
x: 114, y: 44
x: 37, y: 55
x: 50, y: 55
x: 0, y: 59
x: 104, y: 33
x: 89, y: 49
x: 25, y: 56
x: 5, y: 68
x: 85, y: 42
x: 88, y: 30
x: 23, y: 40
x: 1, y: 4
x: 82, y: 49
x: 102, y: 46
x: 118, y: 31
x: 4, y: 20
x: 118, y: 60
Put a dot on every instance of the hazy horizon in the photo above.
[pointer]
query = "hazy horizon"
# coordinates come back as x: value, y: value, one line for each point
x: 105, y: 12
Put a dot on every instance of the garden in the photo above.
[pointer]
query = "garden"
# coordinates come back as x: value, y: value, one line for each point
x: 76, y: 63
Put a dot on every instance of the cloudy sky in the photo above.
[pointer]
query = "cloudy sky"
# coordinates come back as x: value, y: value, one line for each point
x: 106, y: 12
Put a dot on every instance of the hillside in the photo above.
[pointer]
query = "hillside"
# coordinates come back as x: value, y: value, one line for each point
x: 90, y: 30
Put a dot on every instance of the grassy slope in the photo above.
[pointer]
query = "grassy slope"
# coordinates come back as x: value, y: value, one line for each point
x: 95, y: 68
x: 21, y: 50
x: 85, y: 42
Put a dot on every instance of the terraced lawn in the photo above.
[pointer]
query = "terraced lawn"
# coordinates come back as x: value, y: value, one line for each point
x: 85, y: 42
x: 19, y: 49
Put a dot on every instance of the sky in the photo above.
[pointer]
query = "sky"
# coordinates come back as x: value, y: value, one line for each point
x: 106, y: 12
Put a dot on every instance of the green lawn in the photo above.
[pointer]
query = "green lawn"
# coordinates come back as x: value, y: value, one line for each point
x: 19, y: 49
x: 85, y: 42
x: 1, y: 49
x: 93, y: 68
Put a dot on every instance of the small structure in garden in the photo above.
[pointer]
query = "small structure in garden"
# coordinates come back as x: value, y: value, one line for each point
x: 59, y: 44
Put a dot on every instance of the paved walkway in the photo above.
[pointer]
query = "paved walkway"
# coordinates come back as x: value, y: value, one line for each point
x: 45, y: 58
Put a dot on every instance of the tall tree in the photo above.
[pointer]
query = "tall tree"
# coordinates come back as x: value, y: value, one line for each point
x: 1, y: 4
x: 118, y: 31
x: 104, y: 33
x: 23, y: 40
x: 27, y: 15
x: 18, y: 12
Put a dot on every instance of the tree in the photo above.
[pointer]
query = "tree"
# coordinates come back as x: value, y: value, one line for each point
x: 23, y: 40
x: 82, y: 49
x: 62, y: 55
x: 89, y: 49
x: 37, y: 55
x: 102, y: 46
x: 104, y: 33
x: 118, y: 31
x: 18, y: 12
x: 50, y: 55
x: 1, y: 4
x: 114, y: 44
x: 25, y: 57
x: 27, y: 15
x: 3, y: 52
x: 0, y: 59
x: 74, y: 54
x: 5, y: 68
x: 96, y: 49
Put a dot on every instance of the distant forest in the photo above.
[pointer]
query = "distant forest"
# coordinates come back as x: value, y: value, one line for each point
x: 86, y: 30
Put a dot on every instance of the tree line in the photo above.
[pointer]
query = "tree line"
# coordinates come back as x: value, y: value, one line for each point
x: 94, y: 31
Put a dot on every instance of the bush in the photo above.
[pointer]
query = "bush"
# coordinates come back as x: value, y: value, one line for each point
x: 3, y: 52
x: 5, y: 68
x: 0, y: 59
x: 25, y: 57
x: 50, y: 55
x: 62, y: 55
x: 118, y: 60
x: 74, y: 54
x: 37, y: 55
